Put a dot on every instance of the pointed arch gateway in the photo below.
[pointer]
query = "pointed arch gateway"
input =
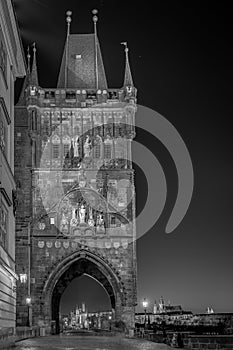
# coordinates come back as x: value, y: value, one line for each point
x: 75, y: 265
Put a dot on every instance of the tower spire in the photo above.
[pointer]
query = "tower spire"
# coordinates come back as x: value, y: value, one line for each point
x: 95, y: 19
x: 34, y: 75
x: 68, y: 20
x: 29, y: 60
x: 128, y: 80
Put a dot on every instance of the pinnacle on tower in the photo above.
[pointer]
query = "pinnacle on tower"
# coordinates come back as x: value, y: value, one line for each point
x: 128, y: 80
x: 34, y: 74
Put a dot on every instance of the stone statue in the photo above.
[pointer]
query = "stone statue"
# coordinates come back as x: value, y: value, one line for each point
x: 100, y: 220
x: 87, y: 147
x: 76, y: 146
x: 90, y: 220
x: 82, y: 213
x: 64, y: 223
x: 74, y: 220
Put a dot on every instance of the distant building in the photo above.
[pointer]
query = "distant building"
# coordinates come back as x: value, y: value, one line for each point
x: 209, y: 310
x: 12, y: 66
x: 164, y: 312
x: 80, y: 318
x: 213, y: 319
x: 161, y: 307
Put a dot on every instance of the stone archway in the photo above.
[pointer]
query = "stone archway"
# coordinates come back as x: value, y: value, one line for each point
x: 75, y: 265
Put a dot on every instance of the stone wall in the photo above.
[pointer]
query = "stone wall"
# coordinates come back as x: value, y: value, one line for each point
x: 196, y: 342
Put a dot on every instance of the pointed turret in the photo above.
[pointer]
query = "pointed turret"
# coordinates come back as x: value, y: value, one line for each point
x: 34, y: 74
x: 128, y: 80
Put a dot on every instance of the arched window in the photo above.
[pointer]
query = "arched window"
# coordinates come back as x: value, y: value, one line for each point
x: 97, y: 151
x: 97, y: 147
x: 55, y: 147
x: 66, y: 145
x: 107, y: 149
x: 34, y: 120
x: 56, y: 151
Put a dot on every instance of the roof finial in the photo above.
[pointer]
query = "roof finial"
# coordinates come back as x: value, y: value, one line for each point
x: 95, y: 19
x: 128, y: 80
x: 29, y: 58
x: 68, y: 20
x: 34, y: 48
x: 126, y: 46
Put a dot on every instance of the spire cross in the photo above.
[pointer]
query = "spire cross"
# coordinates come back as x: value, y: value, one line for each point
x: 95, y: 19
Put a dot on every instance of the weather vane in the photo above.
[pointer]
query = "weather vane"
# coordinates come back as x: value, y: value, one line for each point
x: 126, y: 46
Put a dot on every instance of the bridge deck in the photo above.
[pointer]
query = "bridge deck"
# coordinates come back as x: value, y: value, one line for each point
x: 75, y: 342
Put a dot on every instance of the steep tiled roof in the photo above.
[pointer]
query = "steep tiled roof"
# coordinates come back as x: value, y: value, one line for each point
x: 79, y: 58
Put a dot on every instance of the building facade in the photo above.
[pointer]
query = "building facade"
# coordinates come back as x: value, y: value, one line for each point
x: 76, y: 210
x: 11, y: 66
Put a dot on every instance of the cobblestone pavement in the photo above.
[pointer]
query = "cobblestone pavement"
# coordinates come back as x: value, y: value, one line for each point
x: 64, y: 342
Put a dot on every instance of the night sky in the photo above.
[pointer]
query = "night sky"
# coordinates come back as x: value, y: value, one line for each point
x: 181, y: 61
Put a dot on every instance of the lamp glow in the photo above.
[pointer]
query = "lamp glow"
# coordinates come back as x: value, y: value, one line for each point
x: 145, y: 303
x: 28, y: 300
x: 23, y: 277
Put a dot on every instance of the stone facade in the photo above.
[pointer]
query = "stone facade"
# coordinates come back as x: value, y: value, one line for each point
x: 76, y: 205
x: 11, y: 66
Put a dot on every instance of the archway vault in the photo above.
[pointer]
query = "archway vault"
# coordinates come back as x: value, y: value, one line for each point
x: 75, y: 265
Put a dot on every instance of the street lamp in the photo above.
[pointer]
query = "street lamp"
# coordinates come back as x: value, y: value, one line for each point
x: 110, y: 319
x: 29, y: 304
x: 145, y: 304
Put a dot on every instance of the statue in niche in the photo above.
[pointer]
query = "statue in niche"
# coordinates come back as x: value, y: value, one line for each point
x: 76, y: 148
x: 82, y: 214
x: 87, y: 147
x: 64, y: 223
x: 71, y: 153
x: 112, y: 195
x: 100, y: 220
x: 74, y: 220
x: 91, y: 220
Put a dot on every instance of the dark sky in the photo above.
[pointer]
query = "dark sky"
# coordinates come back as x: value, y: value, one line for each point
x: 181, y: 60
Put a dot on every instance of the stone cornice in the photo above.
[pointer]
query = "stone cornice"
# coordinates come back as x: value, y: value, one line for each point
x: 4, y: 108
x: 12, y: 38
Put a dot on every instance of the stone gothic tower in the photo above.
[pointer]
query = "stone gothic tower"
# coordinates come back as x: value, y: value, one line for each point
x: 76, y: 205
